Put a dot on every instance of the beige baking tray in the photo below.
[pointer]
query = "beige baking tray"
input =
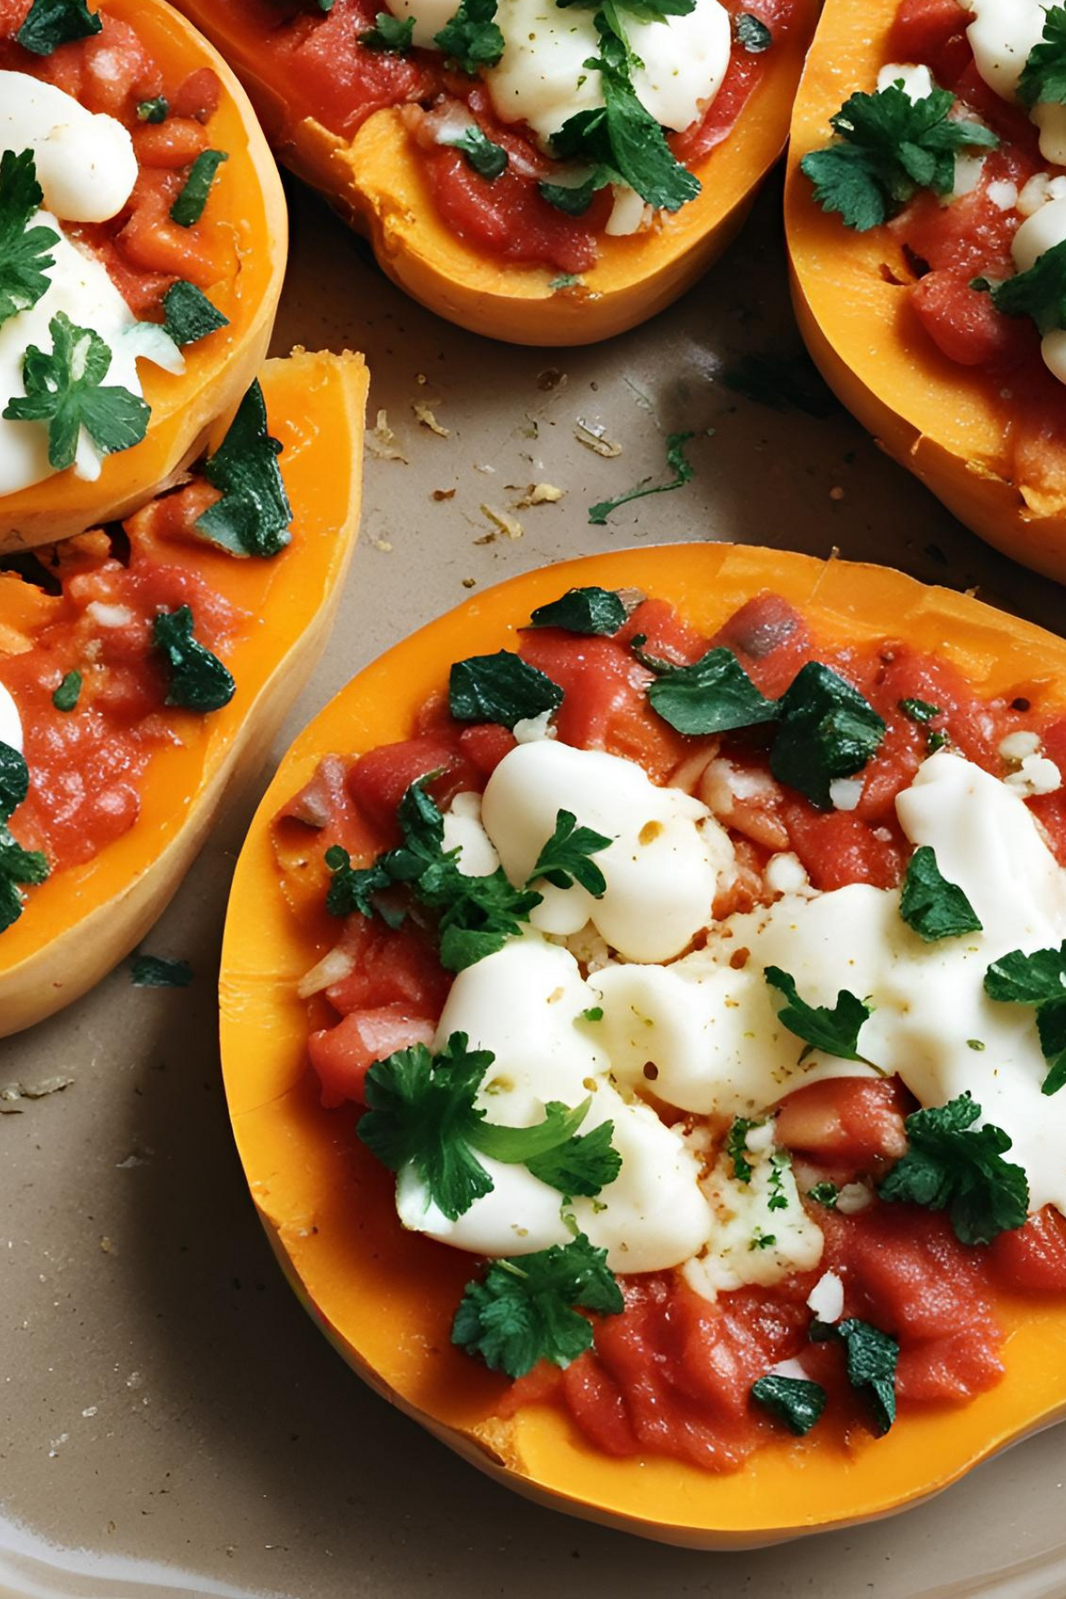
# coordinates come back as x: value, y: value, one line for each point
x: 170, y: 1422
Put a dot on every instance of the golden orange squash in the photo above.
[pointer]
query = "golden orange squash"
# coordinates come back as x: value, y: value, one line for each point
x: 378, y: 184
x: 76, y: 925
x: 248, y: 204
x: 384, y: 1297
x: 948, y: 424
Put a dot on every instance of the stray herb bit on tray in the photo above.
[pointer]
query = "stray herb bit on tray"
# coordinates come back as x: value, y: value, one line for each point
x: 676, y: 462
x: 157, y: 971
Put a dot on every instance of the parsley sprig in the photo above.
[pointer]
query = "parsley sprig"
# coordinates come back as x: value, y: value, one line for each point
x: 65, y: 389
x: 472, y: 37
x: 19, y: 868
x: 254, y: 514
x: 713, y: 695
x: 50, y: 23
x: 889, y: 148
x: 198, y: 680
x: 1043, y: 79
x: 389, y: 34
x: 524, y: 1310
x: 590, y: 612
x: 500, y: 688
x: 422, y: 1115
x: 1037, y: 979
x: 931, y: 905
x: 832, y: 1029
x: 954, y: 1166
x: 796, y: 1401
x: 566, y: 858
x: 24, y: 259
x: 872, y: 1358
x: 1039, y: 293
x: 682, y: 469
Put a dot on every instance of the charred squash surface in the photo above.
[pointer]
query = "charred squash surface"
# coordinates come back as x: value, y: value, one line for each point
x: 384, y: 1297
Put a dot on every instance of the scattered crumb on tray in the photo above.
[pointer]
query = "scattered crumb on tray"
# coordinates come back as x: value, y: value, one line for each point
x: 425, y: 416
x: 382, y: 441
x: 539, y: 494
x: 443, y: 494
x: 12, y: 1093
x: 593, y: 437
x: 510, y: 525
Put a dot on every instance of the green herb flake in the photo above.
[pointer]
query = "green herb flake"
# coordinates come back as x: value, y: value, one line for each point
x: 780, y: 1162
x: 471, y: 36
x: 25, y: 263
x: 155, y: 971
x: 253, y: 515
x: 574, y: 199
x: 188, y: 208
x: 19, y: 868
x: 155, y: 110
x: 566, y: 857
x: 796, y: 1401
x: 65, y: 389
x: 751, y: 34
x: 50, y: 23
x: 824, y: 1193
x: 1043, y: 79
x: 67, y: 694
x: 937, y: 741
x: 919, y: 710
x: 713, y: 695
x: 930, y: 905
x: 832, y: 1029
x: 974, y: 1043
x: 1039, y: 293
x: 736, y: 1147
x: 872, y: 1358
x: 389, y: 35
x: 1037, y: 979
x: 488, y: 160
x: 951, y: 1165
x: 198, y: 679
x: 593, y: 1014
x: 565, y: 280
x: 500, y: 688
x: 761, y: 1240
x: 589, y: 612
x: 682, y: 469
x: 826, y: 730
x: 188, y: 314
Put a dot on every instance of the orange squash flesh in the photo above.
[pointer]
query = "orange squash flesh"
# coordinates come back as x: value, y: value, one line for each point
x: 378, y: 184
x: 386, y: 1298
x: 79, y: 923
x: 247, y: 199
x: 943, y: 421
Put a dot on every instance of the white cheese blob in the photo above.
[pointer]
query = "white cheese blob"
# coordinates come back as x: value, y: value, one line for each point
x: 663, y: 867
x: 1045, y: 228
x: 1002, y: 36
x: 10, y: 721
x: 915, y: 81
x: 463, y: 831
x: 85, y: 160
x: 752, y: 1242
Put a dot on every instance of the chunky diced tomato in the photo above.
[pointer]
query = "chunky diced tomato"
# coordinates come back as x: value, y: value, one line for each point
x: 770, y: 639
x: 342, y: 1055
x: 667, y: 636
x: 849, y: 1121
x: 933, y: 32
x: 964, y: 323
x: 379, y: 780
x: 1032, y: 1258
x: 485, y: 745
x: 391, y: 966
x: 837, y: 848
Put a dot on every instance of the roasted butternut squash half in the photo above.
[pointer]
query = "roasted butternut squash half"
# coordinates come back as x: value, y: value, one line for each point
x: 145, y: 241
x: 923, y: 210
x: 442, y: 152
x: 145, y: 668
x: 634, y: 1039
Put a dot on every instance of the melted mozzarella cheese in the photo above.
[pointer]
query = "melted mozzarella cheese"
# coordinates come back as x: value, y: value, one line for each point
x: 1038, y: 234
x: 663, y: 867
x: 10, y: 721
x: 463, y: 831
x: 1002, y: 35
x: 85, y: 161
x: 752, y: 1242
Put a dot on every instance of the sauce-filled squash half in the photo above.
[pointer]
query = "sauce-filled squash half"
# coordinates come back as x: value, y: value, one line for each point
x: 643, y: 1035
x: 145, y: 667
x: 542, y: 173
x: 926, y: 218
x: 142, y: 248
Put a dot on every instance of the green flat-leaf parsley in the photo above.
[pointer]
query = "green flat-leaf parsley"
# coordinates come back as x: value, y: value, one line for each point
x: 471, y: 37
x: 676, y: 462
x: 389, y: 34
x: 1037, y: 979
x: 50, y: 23
x: 796, y: 1401
x: 254, y: 514
x: 566, y: 857
x: 1043, y: 79
x: 713, y: 695
x: 872, y: 1358
x: 188, y: 208
x: 826, y: 730
x: 488, y: 160
x: 832, y: 1029
x: 931, y: 905
x: 24, y: 259
x: 65, y: 389
x: 588, y: 612
x: 66, y: 696
x: 189, y: 315
x: 198, y: 680
x: 19, y: 868
x: 500, y: 688
x: 951, y: 1165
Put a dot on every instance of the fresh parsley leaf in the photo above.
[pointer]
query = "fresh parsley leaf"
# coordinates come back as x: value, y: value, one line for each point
x: 19, y: 868
x: 951, y: 1165
x: 479, y: 914
x: 713, y: 695
x: 66, y: 695
x: 736, y: 1147
x: 588, y: 612
x: 621, y: 135
x: 389, y: 34
x: 761, y: 1240
x: 682, y: 469
x: 931, y: 905
x: 582, y: 1166
x: 50, y: 23
x: 500, y: 688
x: 919, y: 710
x: 471, y: 37
x: 1037, y: 979
x: 565, y: 858
x: 824, y: 1193
x: 574, y: 199
x: 593, y: 1014
x: 796, y: 1401
x: 832, y: 1029
x: 891, y: 147
x: 66, y: 390
x: 1039, y: 293
x: 154, y: 110
x: 253, y: 515
x: 488, y: 160
x: 188, y: 208
x: 198, y: 679
x: 937, y: 741
x: 826, y: 730
x: 352, y: 888
x: 155, y: 971
x: 189, y: 315
x: 872, y: 1358
x: 523, y: 1312
x: 780, y: 1161
x: 24, y: 259
x: 1043, y: 79
x: 751, y: 33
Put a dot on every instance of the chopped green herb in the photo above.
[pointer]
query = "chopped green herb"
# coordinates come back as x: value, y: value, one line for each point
x: 761, y: 1240
x: 932, y: 906
x: 500, y: 688
x: 580, y: 1167
x: 24, y: 259
x: 951, y: 1165
x: 253, y: 515
x: 1039, y: 293
x: 156, y: 110
x: 155, y: 971
x: 872, y: 1358
x: 566, y: 857
x: 890, y: 147
x: 50, y: 23
x: 65, y: 389
x: 588, y: 612
x: 189, y: 315
x: 736, y: 1147
x: 19, y: 868
x: 523, y: 1312
x: 780, y: 1161
x: 754, y: 36
x: 676, y: 462
x: 574, y: 199
x: 593, y: 1014
x: 919, y: 710
x: 824, y: 1193
x: 796, y: 1401
x: 188, y: 208
x: 826, y: 730
x: 832, y: 1029
x: 1043, y: 79
x: 488, y: 160
x: 1037, y: 979
x: 66, y: 695
x: 471, y: 37
x: 974, y: 1043
x: 198, y: 679
x: 937, y: 741
x: 389, y: 34
x: 565, y: 280
x: 713, y: 695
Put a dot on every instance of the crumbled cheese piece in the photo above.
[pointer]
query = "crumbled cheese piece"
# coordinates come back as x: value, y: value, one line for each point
x: 845, y: 793
x: 531, y: 728
x: 854, y: 1197
x: 594, y: 439
x: 1016, y: 746
x: 826, y: 1298
x: 506, y: 524
x: 1002, y: 193
x: 786, y: 874
x: 1036, y: 775
x: 540, y: 494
